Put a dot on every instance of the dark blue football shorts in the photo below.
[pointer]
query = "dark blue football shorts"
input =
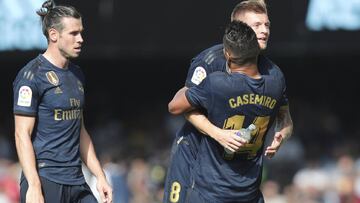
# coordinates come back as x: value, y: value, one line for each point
x: 59, y: 193
x: 178, y: 179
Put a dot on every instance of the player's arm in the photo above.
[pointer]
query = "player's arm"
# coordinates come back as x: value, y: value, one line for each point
x: 197, y: 72
x: 88, y: 156
x: 284, y: 124
x: 24, y: 126
x: 283, y: 130
x: 227, y: 138
x: 179, y: 104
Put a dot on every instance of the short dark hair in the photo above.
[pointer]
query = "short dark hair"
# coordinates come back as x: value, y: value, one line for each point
x: 241, y: 41
x: 52, y: 15
x: 257, y: 6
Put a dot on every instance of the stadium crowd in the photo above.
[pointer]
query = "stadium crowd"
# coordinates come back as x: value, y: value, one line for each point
x: 319, y: 164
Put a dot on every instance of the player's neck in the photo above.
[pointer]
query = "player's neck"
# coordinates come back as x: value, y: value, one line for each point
x: 250, y: 70
x: 53, y: 55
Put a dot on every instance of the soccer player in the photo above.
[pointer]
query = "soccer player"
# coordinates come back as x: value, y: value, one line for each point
x: 253, y: 13
x: 233, y: 100
x: 51, y: 139
x: 185, y: 147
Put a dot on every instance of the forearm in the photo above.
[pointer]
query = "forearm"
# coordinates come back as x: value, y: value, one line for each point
x: 23, y: 129
x: 284, y: 123
x: 286, y: 131
x: 179, y: 104
x: 27, y: 160
x: 88, y: 155
x: 202, y: 123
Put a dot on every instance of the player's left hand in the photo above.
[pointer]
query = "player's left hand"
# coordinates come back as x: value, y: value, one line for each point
x: 104, y: 190
x: 275, y: 145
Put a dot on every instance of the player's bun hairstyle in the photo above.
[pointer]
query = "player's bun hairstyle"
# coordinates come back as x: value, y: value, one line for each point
x: 51, y: 16
x: 45, y: 8
x: 257, y: 6
x: 241, y: 42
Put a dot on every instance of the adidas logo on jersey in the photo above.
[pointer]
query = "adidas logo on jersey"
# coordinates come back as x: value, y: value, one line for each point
x: 58, y: 90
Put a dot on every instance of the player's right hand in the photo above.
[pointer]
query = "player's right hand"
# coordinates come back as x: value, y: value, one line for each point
x: 275, y: 145
x: 104, y: 190
x: 229, y: 140
x: 34, y: 195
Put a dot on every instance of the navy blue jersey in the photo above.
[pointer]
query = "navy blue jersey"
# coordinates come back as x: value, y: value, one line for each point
x: 213, y: 59
x: 188, y: 138
x: 55, y: 97
x: 235, y: 101
x: 207, y: 62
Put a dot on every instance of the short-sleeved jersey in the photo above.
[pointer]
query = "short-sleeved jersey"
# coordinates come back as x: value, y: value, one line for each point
x: 213, y: 59
x: 55, y: 96
x: 207, y: 62
x: 235, y: 101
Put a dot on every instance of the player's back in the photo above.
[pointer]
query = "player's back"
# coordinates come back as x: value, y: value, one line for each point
x: 212, y: 60
x: 234, y: 101
x: 209, y: 61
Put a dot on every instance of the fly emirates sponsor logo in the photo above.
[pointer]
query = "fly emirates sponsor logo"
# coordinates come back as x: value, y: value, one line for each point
x: 61, y: 115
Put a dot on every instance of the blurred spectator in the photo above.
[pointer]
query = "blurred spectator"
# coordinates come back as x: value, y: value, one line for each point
x: 271, y: 192
x: 312, y: 181
x: 9, y: 185
x: 139, y: 181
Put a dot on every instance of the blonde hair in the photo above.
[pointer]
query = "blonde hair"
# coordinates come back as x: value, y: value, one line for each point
x: 257, y: 6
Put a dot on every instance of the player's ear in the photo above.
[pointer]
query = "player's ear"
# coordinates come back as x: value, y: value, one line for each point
x: 226, y: 54
x: 53, y: 35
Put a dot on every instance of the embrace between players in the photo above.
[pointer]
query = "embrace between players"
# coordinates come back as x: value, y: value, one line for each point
x: 228, y: 87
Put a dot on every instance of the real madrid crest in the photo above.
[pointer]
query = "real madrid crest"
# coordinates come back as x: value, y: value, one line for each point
x: 52, y: 78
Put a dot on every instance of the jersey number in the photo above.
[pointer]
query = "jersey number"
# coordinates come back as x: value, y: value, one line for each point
x: 236, y: 122
x: 175, y: 192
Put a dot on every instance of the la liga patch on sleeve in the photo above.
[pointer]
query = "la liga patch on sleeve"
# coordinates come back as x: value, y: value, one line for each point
x: 25, y: 96
x: 199, y: 75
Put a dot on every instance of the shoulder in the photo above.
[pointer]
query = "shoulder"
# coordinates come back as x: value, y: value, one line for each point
x: 76, y: 70
x: 267, y: 66
x: 220, y: 82
x: 218, y: 77
x: 211, y: 55
x: 219, y: 74
x: 74, y: 67
x: 30, y: 70
x: 205, y: 63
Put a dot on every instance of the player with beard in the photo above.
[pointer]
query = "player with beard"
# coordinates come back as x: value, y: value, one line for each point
x: 51, y: 139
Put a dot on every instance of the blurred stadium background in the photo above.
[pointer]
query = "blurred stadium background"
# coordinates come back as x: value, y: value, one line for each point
x: 136, y: 57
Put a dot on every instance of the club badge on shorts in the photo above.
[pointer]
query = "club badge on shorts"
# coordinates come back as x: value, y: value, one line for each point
x: 52, y: 78
x: 25, y: 95
x: 199, y: 75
